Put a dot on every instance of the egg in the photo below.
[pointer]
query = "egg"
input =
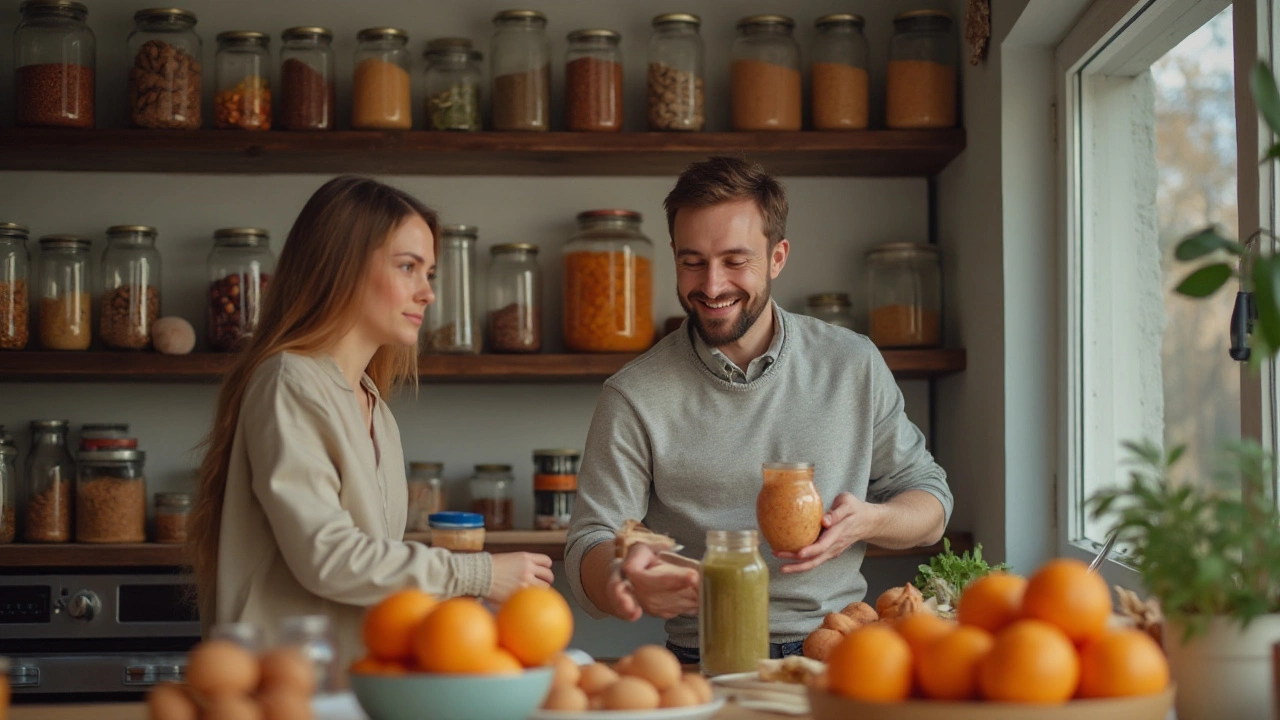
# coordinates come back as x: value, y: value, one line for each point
x: 567, y: 672
x: 285, y: 705
x: 680, y: 695
x: 657, y: 665
x: 624, y: 665
x: 595, y: 702
x: 232, y: 707
x: 287, y: 669
x: 700, y: 685
x: 221, y: 667
x: 567, y: 698
x: 170, y: 702
x: 631, y: 693
x: 596, y: 677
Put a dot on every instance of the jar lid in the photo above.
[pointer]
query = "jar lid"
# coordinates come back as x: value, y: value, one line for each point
x: 95, y: 456
x: 426, y: 466
x: 298, y: 33
x: 61, y: 242
x: 609, y: 36
x: 53, y: 5
x: 455, y: 47
x: 240, y: 237
x: 493, y: 468
x: 903, y: 247
x: 533, y: 15
x: 464, y: 230
x: 14, y: 230
x: 840, y: 19
x: 781, y: 20
x: 828, y: 299
x: 49, y: 424
x: 165, y: 14
x: 787, y: 466
x: 108, y: 443
x: 246, y: 36
x: 507, y: 248
x: 101, y: 429
x: 558, y: 452
x: 173, y: 498
x: 682, y: 18
x: 593, y: 214
x: 381, y: 33
x: 146, y: 230
x: 456, y: 520
x: 922, y: 14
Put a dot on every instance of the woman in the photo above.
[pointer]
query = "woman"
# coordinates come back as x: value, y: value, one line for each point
x: 302, y: 503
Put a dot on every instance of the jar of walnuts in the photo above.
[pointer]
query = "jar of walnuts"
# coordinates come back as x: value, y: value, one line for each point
x: 130, y: 303
x: 165, y: 78
x: 240, y: 265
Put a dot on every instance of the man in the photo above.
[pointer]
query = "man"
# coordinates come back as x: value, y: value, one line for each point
x: 679, y: 435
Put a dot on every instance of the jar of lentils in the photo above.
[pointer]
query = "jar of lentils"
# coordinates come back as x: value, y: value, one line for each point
x: 380, y: 87
x: 608, y: 284
x: 521, y: 66
x: 838, y: 75
x: 54, y: 57
x: 593, y: 81
x: 240, y: 266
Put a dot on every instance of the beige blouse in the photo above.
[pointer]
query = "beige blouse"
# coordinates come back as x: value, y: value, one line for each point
x: 314, y: 513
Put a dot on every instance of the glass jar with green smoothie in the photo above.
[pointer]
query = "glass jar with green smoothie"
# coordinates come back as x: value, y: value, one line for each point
x: 733, y: 616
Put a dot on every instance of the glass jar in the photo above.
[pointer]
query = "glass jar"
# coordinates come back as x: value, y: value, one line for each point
x: 460, y: 532
x: 521, y: 65
x: 50, y: 474
x: 555, y: 487
x: 65, y: 305
x: 453, y: 85
x: 130, y: 303
x: 426, y: 494
x: 675, y: 80
x: 245, y: 634
x: 765, y: 76
x: 515, y: 299
x: 111, y: 497
x: 920, y: 84
x: 240, y: 266
x: 164, y: 80
x: 593, y: 81
x: 491, y: 496
x: 307, y: 77
x: 904, y: 295
x: 608, y: 284
x: 243, y: 100
x: 733, y: 613
x: 838, y: 75
x: 106, y: 436
x: 380, y: 87
x: 833, y: 308
x: 6, y: 438
x: 312, y: 635
x: 788, y: 507
x: 173, y: 510
x: 54, y: 57
x: 8, y: 494
x: 15, y: 304
x: 452, y: 324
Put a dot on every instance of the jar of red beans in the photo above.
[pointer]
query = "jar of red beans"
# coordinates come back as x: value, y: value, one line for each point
x: 240, y: 267
x: 54, y: 55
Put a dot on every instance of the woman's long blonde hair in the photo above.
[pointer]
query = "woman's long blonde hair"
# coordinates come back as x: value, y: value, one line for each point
x: 313, y: 300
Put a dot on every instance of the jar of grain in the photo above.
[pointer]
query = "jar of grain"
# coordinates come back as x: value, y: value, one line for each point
x: 65, y: 306
x: 240, y: 266
x: 307, y: 79
x: 8, y: 493
x: 920, y: 89
x: 453, y: 85
x: 491, y: 496
x: 555, y: 487
x: 608, y: 284
x: 243, y: 99
x: 593, y: 81
x: 833, y: 308
x: 426, y: 494
x: 380, y: 87
x: 50, y: 474
x: 904, y: 295
x: 515, y: 299
x: 54, y: 56
x: 165, y: 78
x: 111, y: 497
x: 765, y: 76
x: 521, y: 65
x: 130, y: 303
x: 172, y: 513
x: 452, y: 323
x: 460, y: 532
x: 14, y: 302
x: 839, y: 85
x: 675, y: 78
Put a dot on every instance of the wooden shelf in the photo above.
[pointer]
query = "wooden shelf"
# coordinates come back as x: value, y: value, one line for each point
x: 870, y: 153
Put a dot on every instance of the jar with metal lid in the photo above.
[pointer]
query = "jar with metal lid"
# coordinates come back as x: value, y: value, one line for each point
x: 608, y: 284
x: 106, y: 436
x: 307, y: 79
x: 380, y: 88
x: 8, y: 493
x: 491, y: 496
x: 452, y: 323
x: 765, y: 75
x: 165, y: 78
x: 838, y: 74
x: 173, y: 510
x: 555, y: 486
x: 920, y: 83
x: 15, y: 307
x: 460, y: 532
x: 833, y: 308
x: 520, y: 59
x: 6, y: 438
x: 312, y: 635
x: 426, y: 494
x: 675, y: 80
x: 515, y: 299
x: 111, y: 497
x: 904, y: 295
x: 65, y: 305
x: 130, y: 303
x: 593, y: 81
x: 50, y: 476
x: 240, y: 266
x: 243, y: 99
x: 733, y: 612
x: 453, y: 85
x: 54, y: 54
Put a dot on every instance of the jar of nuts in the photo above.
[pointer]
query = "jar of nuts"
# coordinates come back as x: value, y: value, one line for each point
x: 130, y: 302
x: 65, y: 306
x: 172, y: 511
x: 838, y: 75
x: 14, y: 304
x: 243, y: 100
x: 50, y: 474
x: 452, y: 322
x: 111, y: 497
x: 515, y: 299
x: 593, y: 81
x: 165, y: 79
x: 608, y: 284
x: 676, y: 91
x: 240, y: 265
x: 54, y: 56
x: 453, y: 85
x: 8, y: 493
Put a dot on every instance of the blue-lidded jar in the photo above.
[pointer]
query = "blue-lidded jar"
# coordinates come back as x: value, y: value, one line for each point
x: 457, y: 531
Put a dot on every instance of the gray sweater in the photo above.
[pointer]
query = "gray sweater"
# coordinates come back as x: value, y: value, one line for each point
x: 680, y: 448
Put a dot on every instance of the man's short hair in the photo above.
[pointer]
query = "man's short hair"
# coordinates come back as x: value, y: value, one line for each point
x: 720, y: 179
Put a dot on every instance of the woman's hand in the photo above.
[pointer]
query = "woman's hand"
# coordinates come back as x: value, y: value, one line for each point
x: 512, y: 571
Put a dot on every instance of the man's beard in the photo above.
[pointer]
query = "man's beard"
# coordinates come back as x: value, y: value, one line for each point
x: 724, y: 332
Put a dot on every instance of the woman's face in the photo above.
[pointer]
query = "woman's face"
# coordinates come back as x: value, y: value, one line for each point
x: 399, y: 285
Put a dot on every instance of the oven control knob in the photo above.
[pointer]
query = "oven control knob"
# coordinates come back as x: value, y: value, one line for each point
x: 84, y: 605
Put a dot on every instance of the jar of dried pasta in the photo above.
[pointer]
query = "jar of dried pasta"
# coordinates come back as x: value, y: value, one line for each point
x: 608, y: 284
x: 921, y: 79
x: 111, y: 497
x: 904, y: 295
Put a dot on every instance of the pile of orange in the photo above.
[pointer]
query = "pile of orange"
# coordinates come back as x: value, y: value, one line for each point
x: 1044, y: 640
x: 411, y: 631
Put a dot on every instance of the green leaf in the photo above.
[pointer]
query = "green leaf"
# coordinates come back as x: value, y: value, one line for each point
x: 1266, y: 292
x: 1204, y: 242
x: 1272, y: 153
x: 1265, y: 95
x: 1205, y: 281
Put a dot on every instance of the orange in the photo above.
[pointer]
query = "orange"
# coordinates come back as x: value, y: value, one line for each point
x: 371, y: 666
x: 535, y: 624
x: 389, y: 625
x: 1030, y: 662
x: 872, y: 664
x: 948, y: 668
x: 459, y: 636
x: 1065, y: 594
x: 502, y: 662
x: 1122, y: 663
x: 921, y: 630
x: 991, y: 601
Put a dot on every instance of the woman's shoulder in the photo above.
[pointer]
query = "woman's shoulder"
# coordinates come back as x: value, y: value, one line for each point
x: 291, y: 373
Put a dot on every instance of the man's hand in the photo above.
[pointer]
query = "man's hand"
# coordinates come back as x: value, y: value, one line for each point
x: 643, y: 583
x: 849, y: 521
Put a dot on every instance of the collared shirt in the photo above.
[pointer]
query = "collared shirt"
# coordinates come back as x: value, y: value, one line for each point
x: 725, y: 369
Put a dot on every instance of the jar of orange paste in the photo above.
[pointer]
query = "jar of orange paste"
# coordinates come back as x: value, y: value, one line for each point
x: 920, y: 90
x: 789, y: 508
x: 608, y: 284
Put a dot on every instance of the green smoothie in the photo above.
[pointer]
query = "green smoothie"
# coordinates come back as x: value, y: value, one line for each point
x: 733, y: 618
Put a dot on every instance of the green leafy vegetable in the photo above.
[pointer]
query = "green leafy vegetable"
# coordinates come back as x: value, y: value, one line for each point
x: 947, y: 574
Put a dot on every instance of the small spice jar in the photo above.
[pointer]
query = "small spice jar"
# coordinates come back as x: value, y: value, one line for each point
x: 515, y: 299
x: 593, y: 81
x: 426, y: 494
x: 920, y: 90
x: 491, y: 496
x: 833, y: 308
x: 50, y: 476
x: 608, y: 284
x: 173, y: 509
x: 65, y: 305
x: 8, y: 493
x: 453, y: 85
x: 765, y: 76
x: 307, y: 79
x: 111, y: 497
x: 130, y: 303
x: 380, y: 87
x: 240, y: 267
x: 838, y: 74
x: 675, y: 79
x: 904, y: 295
x: 243, y: 100
x: 555, y: 486
x: 458, y: 531
x: 15, y: 305
x: 521, y: 65
x: 54, y: 57
x: 452, y: 324
x: 165, y: 78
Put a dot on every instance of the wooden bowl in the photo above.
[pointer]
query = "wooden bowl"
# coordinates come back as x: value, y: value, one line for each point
x: 824, y: 705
